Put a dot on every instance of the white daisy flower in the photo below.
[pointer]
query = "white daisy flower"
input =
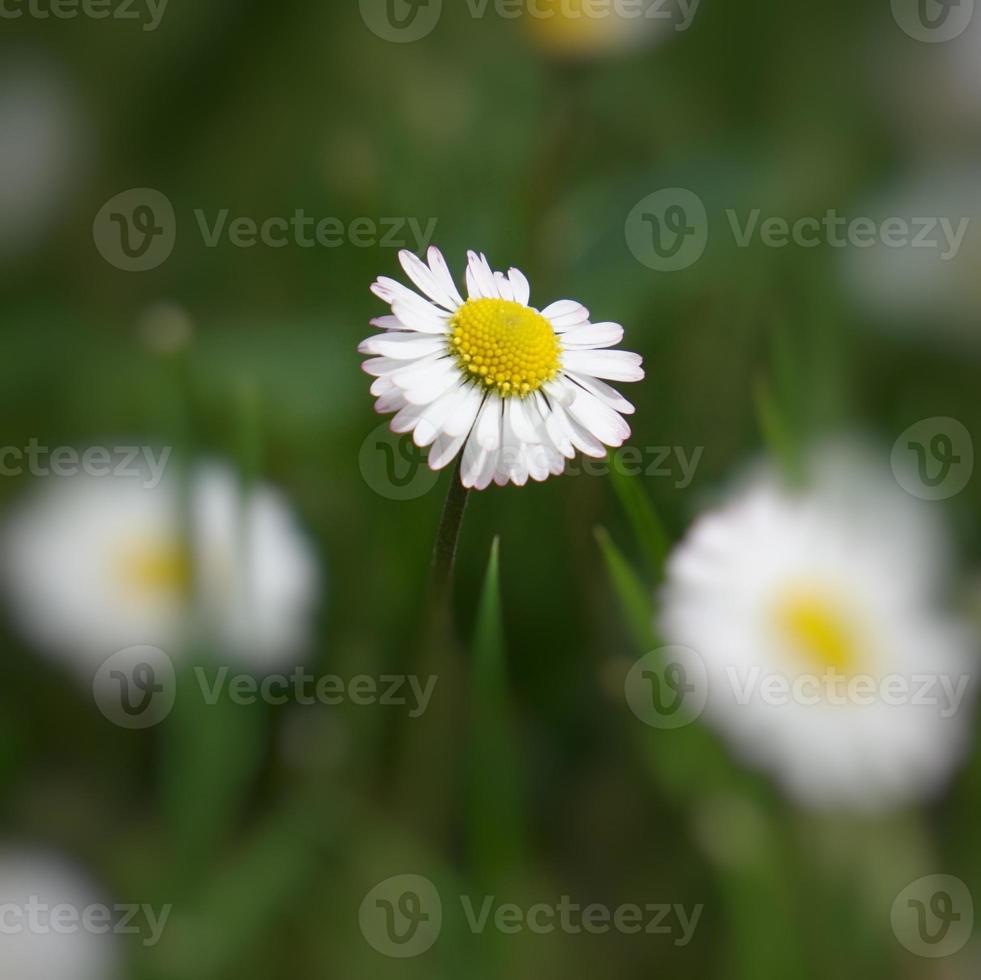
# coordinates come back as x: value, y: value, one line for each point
x: 93, y: 565
x: 32, y: 945
x: 517, y: 390
x: 815, y: 617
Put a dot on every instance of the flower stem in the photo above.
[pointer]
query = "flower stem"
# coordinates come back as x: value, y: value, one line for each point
x: 448, y: 534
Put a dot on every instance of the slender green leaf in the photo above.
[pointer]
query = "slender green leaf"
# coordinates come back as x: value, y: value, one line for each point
x: 644, y: 520
x: 495, y: 796
x: 635, y: 599
x: 211, y: 755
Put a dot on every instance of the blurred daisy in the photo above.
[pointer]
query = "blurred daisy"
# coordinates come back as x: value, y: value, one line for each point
x: 94, y: 565
x: 815, y: 617
x: 583, y: 28
x: 44, y: 150
x: 518, y: 391
x: 932, y: 92
x: 925, y: 281
x: 31, y: 886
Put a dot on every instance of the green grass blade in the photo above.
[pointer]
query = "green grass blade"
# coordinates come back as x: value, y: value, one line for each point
x: 644, y: 520
x: 494, y: 791
x: 634, y: 597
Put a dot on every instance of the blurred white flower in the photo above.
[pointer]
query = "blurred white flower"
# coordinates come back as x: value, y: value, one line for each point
x: 929, y: 283
x: 96, y: 564
x: 31, y: 885
x: 932, y: 91
x: 816, y: 617
x: 44, y: 149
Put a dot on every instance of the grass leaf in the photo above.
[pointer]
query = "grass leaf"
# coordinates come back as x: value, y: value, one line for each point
x: 494, y: 791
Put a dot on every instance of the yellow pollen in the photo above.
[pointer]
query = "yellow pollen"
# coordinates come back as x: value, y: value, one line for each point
x: 505, y: 346
x: 155, y: 566
x: 819, y: 631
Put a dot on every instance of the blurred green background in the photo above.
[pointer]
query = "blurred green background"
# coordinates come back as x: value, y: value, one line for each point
x: 265, y: 827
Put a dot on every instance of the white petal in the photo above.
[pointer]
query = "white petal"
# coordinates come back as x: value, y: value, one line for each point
x: 520, y: 286
x: 390, y: 401
x: 600, y: 420
x: 402, y: 346
x: 392, y: 291
x: 441, y: 273
x: 518, y: 419
x: 566, y: 314
x: 381, y: 366
x: 488, y: 429
x: 387, y: 323
x: 409, y: 375
x: 444, y: 451
x: 593, y: 335
x: 422, y: 276
x: 557, y: 392
x: 581, y: 438
x: 536, y: 460
x: 422, y: 316
x: 480, y: 278
x: 487, y: 470
x: 382, y: 385
x: 606, y: 394
x: 614, y: 365
x: 407, y: 418
x: 504, y: 286
x: 465, y: 412
x: 432, y: 422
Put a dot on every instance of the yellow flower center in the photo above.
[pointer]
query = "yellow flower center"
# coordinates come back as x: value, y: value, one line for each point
x: 504, y: 345
x: 155, y: 566
x: 819, y: 631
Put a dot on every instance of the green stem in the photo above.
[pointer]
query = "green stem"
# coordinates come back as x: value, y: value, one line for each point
x: 448, y: 533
